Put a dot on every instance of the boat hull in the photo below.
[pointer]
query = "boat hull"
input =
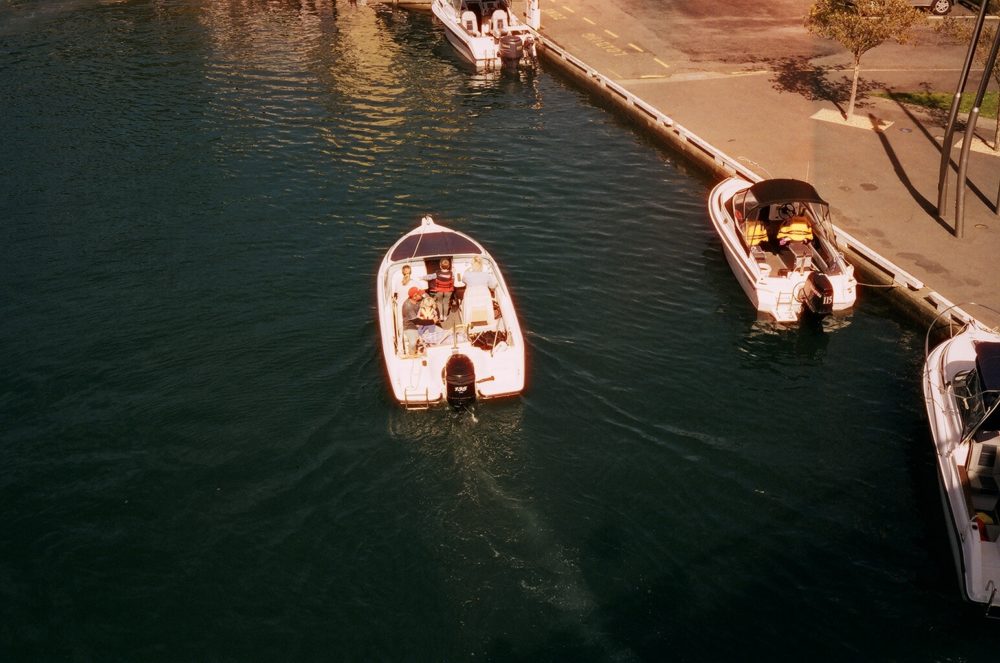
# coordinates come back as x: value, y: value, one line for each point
x: 776, y: 294
x: 417, y: 379
x: 484, y: 51
x: 977, y: 561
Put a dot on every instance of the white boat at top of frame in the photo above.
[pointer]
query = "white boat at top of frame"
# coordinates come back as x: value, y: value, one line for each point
x: 961, y: 382
x: 477, y: 351
x: 487, y: 33
x: 762, y: 226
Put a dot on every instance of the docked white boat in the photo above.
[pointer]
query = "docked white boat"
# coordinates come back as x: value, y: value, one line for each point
x: 487, y: 33
x: 780, y: 243
x: 476, y: 351
x: 961, y: 381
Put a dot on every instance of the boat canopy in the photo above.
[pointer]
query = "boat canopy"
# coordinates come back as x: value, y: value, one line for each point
x: 425, y: 245
x: 769, y: 192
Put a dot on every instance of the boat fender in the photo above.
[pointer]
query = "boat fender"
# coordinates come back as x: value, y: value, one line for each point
x: 460, y: 381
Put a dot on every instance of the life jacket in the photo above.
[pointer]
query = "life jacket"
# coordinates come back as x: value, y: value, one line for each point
x: 796, y: 229
x: 755, y: 232
x: 444, y: 281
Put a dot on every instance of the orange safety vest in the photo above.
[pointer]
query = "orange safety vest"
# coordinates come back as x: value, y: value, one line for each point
x: 755, y: 232
x: 796, y: 229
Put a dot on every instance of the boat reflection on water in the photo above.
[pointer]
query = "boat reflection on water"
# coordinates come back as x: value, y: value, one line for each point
x: 804, y: 343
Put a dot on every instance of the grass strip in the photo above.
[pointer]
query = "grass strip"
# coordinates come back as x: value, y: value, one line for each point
x: 942, y: 101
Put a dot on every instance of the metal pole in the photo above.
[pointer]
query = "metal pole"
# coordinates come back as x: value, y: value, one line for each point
x: 970, y: 131
x: 996, y: 208
x: 949, y: 132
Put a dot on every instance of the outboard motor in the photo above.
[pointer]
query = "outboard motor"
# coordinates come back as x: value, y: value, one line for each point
x: 530, y: 49
x: 460, y: 381
x: 511, y: 48
x: 818, y: 293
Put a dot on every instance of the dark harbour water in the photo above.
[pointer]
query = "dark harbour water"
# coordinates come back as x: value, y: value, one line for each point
x: 200, y: 457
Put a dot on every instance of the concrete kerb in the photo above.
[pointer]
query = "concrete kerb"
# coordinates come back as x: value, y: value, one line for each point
x: 914, y: 297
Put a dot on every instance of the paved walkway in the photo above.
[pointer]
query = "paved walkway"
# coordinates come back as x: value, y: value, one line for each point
x: 882, y: 185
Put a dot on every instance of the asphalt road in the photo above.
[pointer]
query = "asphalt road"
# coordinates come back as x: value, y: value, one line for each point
x: 735, y: 35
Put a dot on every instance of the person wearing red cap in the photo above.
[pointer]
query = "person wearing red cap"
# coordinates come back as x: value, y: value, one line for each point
x: 411, y: 313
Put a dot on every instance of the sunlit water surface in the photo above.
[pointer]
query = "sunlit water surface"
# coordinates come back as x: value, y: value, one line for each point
x: 201, y: 459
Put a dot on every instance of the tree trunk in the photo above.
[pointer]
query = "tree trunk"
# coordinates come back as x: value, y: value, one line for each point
x: 996, y: 132
x: 854, y: 86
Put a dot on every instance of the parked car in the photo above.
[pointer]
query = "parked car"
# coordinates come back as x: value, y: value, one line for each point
x: 936, y: 7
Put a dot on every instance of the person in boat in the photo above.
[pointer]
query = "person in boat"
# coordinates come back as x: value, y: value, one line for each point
x: 412, y: 319
x: 476, y: 276
x: 420, y: 322
x: 401, y: 291
x: 428, y: 311
x: 444, y: 286
x: 795, y: 229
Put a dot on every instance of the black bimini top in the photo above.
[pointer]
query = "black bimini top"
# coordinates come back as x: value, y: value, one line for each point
x: 433, y: 244
x: 769, y: 192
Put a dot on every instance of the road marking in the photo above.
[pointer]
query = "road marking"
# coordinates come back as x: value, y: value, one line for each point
x: 653, y: 76
x: 569, y: 9
x: 603, y: 44
x: 589, y: 21
x: 636, y: 47
x: 611, y: 33
x: 661, y: 62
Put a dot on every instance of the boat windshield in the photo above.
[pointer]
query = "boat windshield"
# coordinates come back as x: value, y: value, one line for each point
x: 988, y: 370
x: 977, y: 391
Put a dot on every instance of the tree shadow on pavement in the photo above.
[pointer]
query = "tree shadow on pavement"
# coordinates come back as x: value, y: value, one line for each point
x: 798, y: 75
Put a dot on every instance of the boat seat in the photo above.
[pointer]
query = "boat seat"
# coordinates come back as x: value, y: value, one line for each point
x: 500, y: 22
x: 469, y: 22
x: 477, y: 309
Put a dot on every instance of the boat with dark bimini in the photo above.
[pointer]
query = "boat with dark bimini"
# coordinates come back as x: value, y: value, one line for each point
x: 961, y: 382
x: 475, y: 350
x: 780, y: 243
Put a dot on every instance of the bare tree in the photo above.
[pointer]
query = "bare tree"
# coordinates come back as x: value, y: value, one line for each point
x: 962, y: 30
x: 861, y: 25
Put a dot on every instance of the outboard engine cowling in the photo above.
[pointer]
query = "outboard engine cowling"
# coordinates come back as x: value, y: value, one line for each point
x: 818, y: 293
x: 511, y: 48
x: 460, y: 381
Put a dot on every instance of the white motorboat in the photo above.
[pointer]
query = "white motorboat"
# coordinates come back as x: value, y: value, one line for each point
x: 780, y: 243
x: 487, y: 33
x: 476, y: 351
x: 961, y: 381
